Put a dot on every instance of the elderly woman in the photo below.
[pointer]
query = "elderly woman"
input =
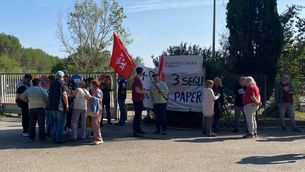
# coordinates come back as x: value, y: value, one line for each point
x: 79, y: 111
x: 251, y: 101
x: 208, y: 108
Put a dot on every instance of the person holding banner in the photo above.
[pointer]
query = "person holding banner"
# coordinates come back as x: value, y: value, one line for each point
x: 208, y: 100
x: 159, y: 92
x: 138, y: 92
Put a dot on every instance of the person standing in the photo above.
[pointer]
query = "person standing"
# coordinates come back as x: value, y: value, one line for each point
x: 95, y: 121
x: 21, y: 88
x: 37, y: 98
x: 239, y: 93
x: 251, y: 101
x: 138, y: 92
x: 284, y: 92
x: 208, y: 101
x: 58, y: 105
x: 122, y: 94
x: 106, y: 88
x: 79, y: 111
x: 159, y: 92
x: 218, y: 105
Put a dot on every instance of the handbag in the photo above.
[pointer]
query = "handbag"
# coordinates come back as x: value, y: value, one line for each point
x: 93, y: 114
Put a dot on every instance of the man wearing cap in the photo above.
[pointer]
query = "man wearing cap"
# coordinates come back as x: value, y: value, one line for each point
x: 58, y: 105
x: 22, y: 86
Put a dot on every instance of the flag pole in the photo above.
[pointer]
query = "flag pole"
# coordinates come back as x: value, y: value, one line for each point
x: 214, y: 28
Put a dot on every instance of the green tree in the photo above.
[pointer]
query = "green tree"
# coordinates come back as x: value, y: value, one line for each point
x: 88, y: 33
x: 255, y: 39
x: 8, y: 64
x: 9, y: 45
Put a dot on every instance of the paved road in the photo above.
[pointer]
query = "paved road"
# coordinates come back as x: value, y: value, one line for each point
x: 181, y: 150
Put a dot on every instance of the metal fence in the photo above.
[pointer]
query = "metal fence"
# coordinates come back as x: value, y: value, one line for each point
x: 9, y: 82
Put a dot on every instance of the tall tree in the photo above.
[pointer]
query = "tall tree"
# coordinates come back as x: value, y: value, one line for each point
x: 9, y: 45
x: 256, y: 38
x: 88, y: 32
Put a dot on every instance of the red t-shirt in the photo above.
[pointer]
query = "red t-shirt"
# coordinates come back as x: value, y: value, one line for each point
x: 251, y: 90
x: 287, y: 97
x: 135, y: 96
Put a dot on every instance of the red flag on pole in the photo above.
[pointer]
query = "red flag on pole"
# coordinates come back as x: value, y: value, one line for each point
x: 121, y: 62
x: 161, y: 68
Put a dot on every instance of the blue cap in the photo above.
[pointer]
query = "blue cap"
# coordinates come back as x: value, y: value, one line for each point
x: 59, y: 74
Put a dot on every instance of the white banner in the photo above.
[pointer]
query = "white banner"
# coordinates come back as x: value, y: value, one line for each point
x: 185, y: 78
x: 147, y: 82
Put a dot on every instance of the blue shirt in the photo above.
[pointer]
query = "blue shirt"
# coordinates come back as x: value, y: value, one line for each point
x: 37, y: 97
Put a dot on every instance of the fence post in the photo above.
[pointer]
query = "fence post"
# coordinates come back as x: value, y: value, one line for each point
x: 1, y: 92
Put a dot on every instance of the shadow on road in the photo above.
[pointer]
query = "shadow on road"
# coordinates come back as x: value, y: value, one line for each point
x: 272, y: 160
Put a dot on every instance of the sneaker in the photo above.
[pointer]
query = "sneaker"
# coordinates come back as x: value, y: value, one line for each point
x: 211, y: 135
x: 255, y: 135
x: 25, y: 134
x: 98, y: 142
x: 248, y: 136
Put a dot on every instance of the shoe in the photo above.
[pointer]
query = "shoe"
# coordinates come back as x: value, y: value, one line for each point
x: 142, y: 132
x: 137, y: 135
x: 98, y: 142
x: 255, y: 135
x: 156, y: 132
x: 235, y: 130
x: 248, y: 136
x: 297, y: 130
x: 25, y: 134
x: 284, y: 128
x: 211, y: 135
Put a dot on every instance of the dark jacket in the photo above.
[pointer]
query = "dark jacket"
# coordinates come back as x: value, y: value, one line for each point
x: 278, y: 94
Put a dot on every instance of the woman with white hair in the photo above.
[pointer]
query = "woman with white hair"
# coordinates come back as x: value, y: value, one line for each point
x: 251, y: 101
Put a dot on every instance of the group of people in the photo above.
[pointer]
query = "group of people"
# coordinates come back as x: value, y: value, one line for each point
x: 68, y: 107
x: 64, y: 106
x: 247, y: 103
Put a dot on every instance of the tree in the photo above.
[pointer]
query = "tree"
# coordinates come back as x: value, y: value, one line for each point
x: 256, y: 38
x: 292, y: 60
x: 8, y: 64
x: 88, y: 32
x: 9, y: 45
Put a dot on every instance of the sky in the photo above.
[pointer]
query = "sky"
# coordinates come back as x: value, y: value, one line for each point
x: 154, y: 24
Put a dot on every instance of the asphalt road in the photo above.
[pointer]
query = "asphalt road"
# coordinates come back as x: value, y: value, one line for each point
x: 181, y: 150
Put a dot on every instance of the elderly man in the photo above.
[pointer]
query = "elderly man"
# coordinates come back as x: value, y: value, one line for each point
x: 284, y: 92
x: 58, y: 105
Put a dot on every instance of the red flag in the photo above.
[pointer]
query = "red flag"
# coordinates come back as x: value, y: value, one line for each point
x: 161, y: 68
x: 121, y: 62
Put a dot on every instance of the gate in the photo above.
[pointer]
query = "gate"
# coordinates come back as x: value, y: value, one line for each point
x: 9, y: 82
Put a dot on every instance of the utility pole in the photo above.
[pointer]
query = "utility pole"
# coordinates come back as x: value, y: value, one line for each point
x: 214, y: 28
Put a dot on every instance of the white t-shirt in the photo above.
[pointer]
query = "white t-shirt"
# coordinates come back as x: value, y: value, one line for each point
x: 80, y: 102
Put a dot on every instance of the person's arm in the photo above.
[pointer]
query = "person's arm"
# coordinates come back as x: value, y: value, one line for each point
x: 139, y: 90
x: 23, y: 97
x: 74, y: 93
x: 165, y: 89
x: 45, y: 97
x: 65, y: 95
x: 254, y: 99
x: 211, y: 94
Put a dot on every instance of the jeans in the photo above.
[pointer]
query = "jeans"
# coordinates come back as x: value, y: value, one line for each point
x: 74, y: 123
x: 123, y: 113
x: 58, y: 125
x: 238, y: 112
x: 48, y: 122
x: 106, y: 105
x: 250, y: 112
x: 161, y: 116
x: 287, y: 108
x: 25, y: 119
x: 37, y: 114
x: 138, y: 108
